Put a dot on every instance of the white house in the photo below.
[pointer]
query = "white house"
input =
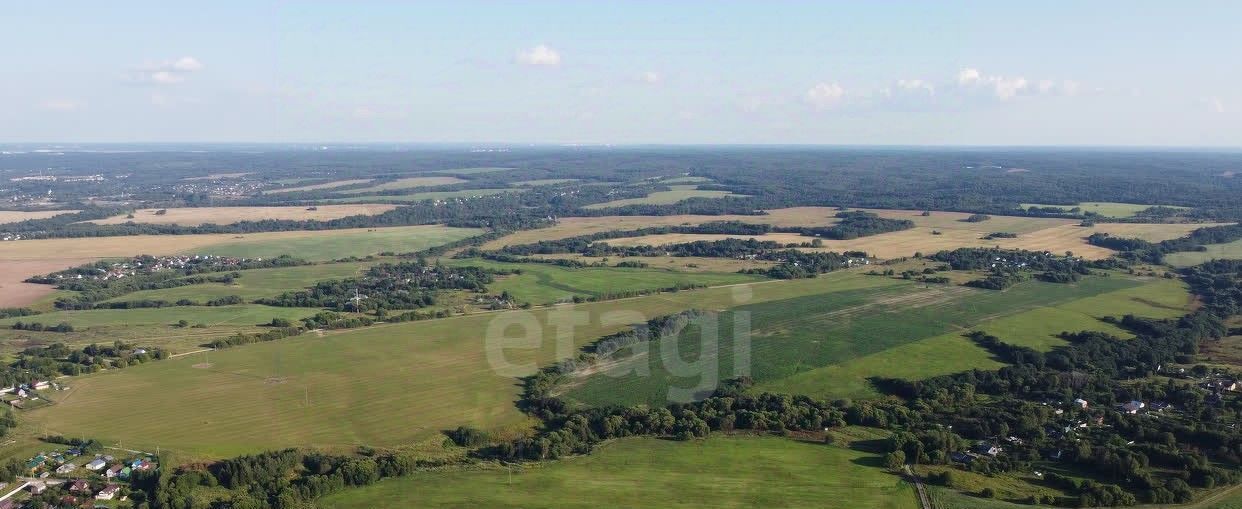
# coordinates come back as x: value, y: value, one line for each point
x: 96, y: 465
x: 1133, y: 407
x: 1082, y: 403
x: 108, y: 493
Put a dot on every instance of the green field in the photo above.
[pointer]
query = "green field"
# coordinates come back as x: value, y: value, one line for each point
x: 1106, y: 209
x: 719, y: 471
x: 674, y: 195
x: 1231, y: 250
x: 254, y: 284
x: 546, y: 284
x: 384, y: 385
x: 407, y: 183
x: 235, y: 316
x: 403, y: 239
x: 685, y: 180
x: 435, y: 195
x: 827, y: 345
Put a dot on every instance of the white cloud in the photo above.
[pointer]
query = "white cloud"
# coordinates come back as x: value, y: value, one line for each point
x: 61, y: 105
x: 917, y: 85
x: 651, y: 77
x: 187, y: 64
x: 1007, y: 88
x: 1004, y: 88
x: 1215, y: 104
x: 825, y: 95
x: 967, y: 76
x: 169, y: 72
x: 539, y: 55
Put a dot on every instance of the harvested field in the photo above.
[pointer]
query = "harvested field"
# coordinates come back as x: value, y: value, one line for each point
x: 1036, y: 234
x: 407, y: 183
x: 111, y: 247
x: 1107, y: 209
x: 196, y: 216
x: 15, y: 293
x: 316, y: 187
x: 574, y: 226
x: 13, y: 216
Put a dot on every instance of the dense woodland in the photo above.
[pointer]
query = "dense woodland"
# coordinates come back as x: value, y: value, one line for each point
x: 973, y: 180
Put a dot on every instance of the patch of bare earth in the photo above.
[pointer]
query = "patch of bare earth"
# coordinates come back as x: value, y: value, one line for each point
x: 16, y: 293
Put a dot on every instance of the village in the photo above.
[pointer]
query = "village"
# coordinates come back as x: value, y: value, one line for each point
x: 81, y: 475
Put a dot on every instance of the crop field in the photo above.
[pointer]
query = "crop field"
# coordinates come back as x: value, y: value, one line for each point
x: 728, y: 471
x: 13, y: 216
x: 673, y: 195
x: 678, y: 263
x: 433, y: 195
x: 813, y: 345
x: 14, y: 292
x: 384, y: 385
x: 1106, y: 209
x: 322, y: 244
x: 316, y: 187
x: 952, y: 353
x: 929, y: 239
x: 1232, y: 250
x: 574, y: 226
x: 407, y: 183
x: 254, y: 284
x: 195, y: 216
x: 335, y: 244
x: 547, y: 284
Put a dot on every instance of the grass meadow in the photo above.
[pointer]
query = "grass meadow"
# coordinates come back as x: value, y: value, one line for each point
x: 1214, y: 251
x: 675, y: 194
x: 407, y: 183
x: 728, y: 471
x: 827, y: 345
x: 547, y: 284
x: 385, y: 385
x: 1106, y: 209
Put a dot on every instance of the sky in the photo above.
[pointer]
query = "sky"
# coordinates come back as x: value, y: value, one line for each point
x: 1131, y: 73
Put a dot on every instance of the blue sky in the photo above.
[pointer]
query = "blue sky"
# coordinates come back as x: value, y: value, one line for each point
x: 974, y: 73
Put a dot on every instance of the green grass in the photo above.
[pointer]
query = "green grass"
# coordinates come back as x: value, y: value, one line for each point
x: 238, y: 315
x: 407, y: 183
x: 1107, y: 209
x: 717, y: 472
x: 546, y: 284
x: 254, y: 284
x: 1231, y: 250
x: 403, y: 239
x: 674, y: 195
x: 385, y: 385
x: 685, y: 180
x: 827, y: 345
x: 435, y: 195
